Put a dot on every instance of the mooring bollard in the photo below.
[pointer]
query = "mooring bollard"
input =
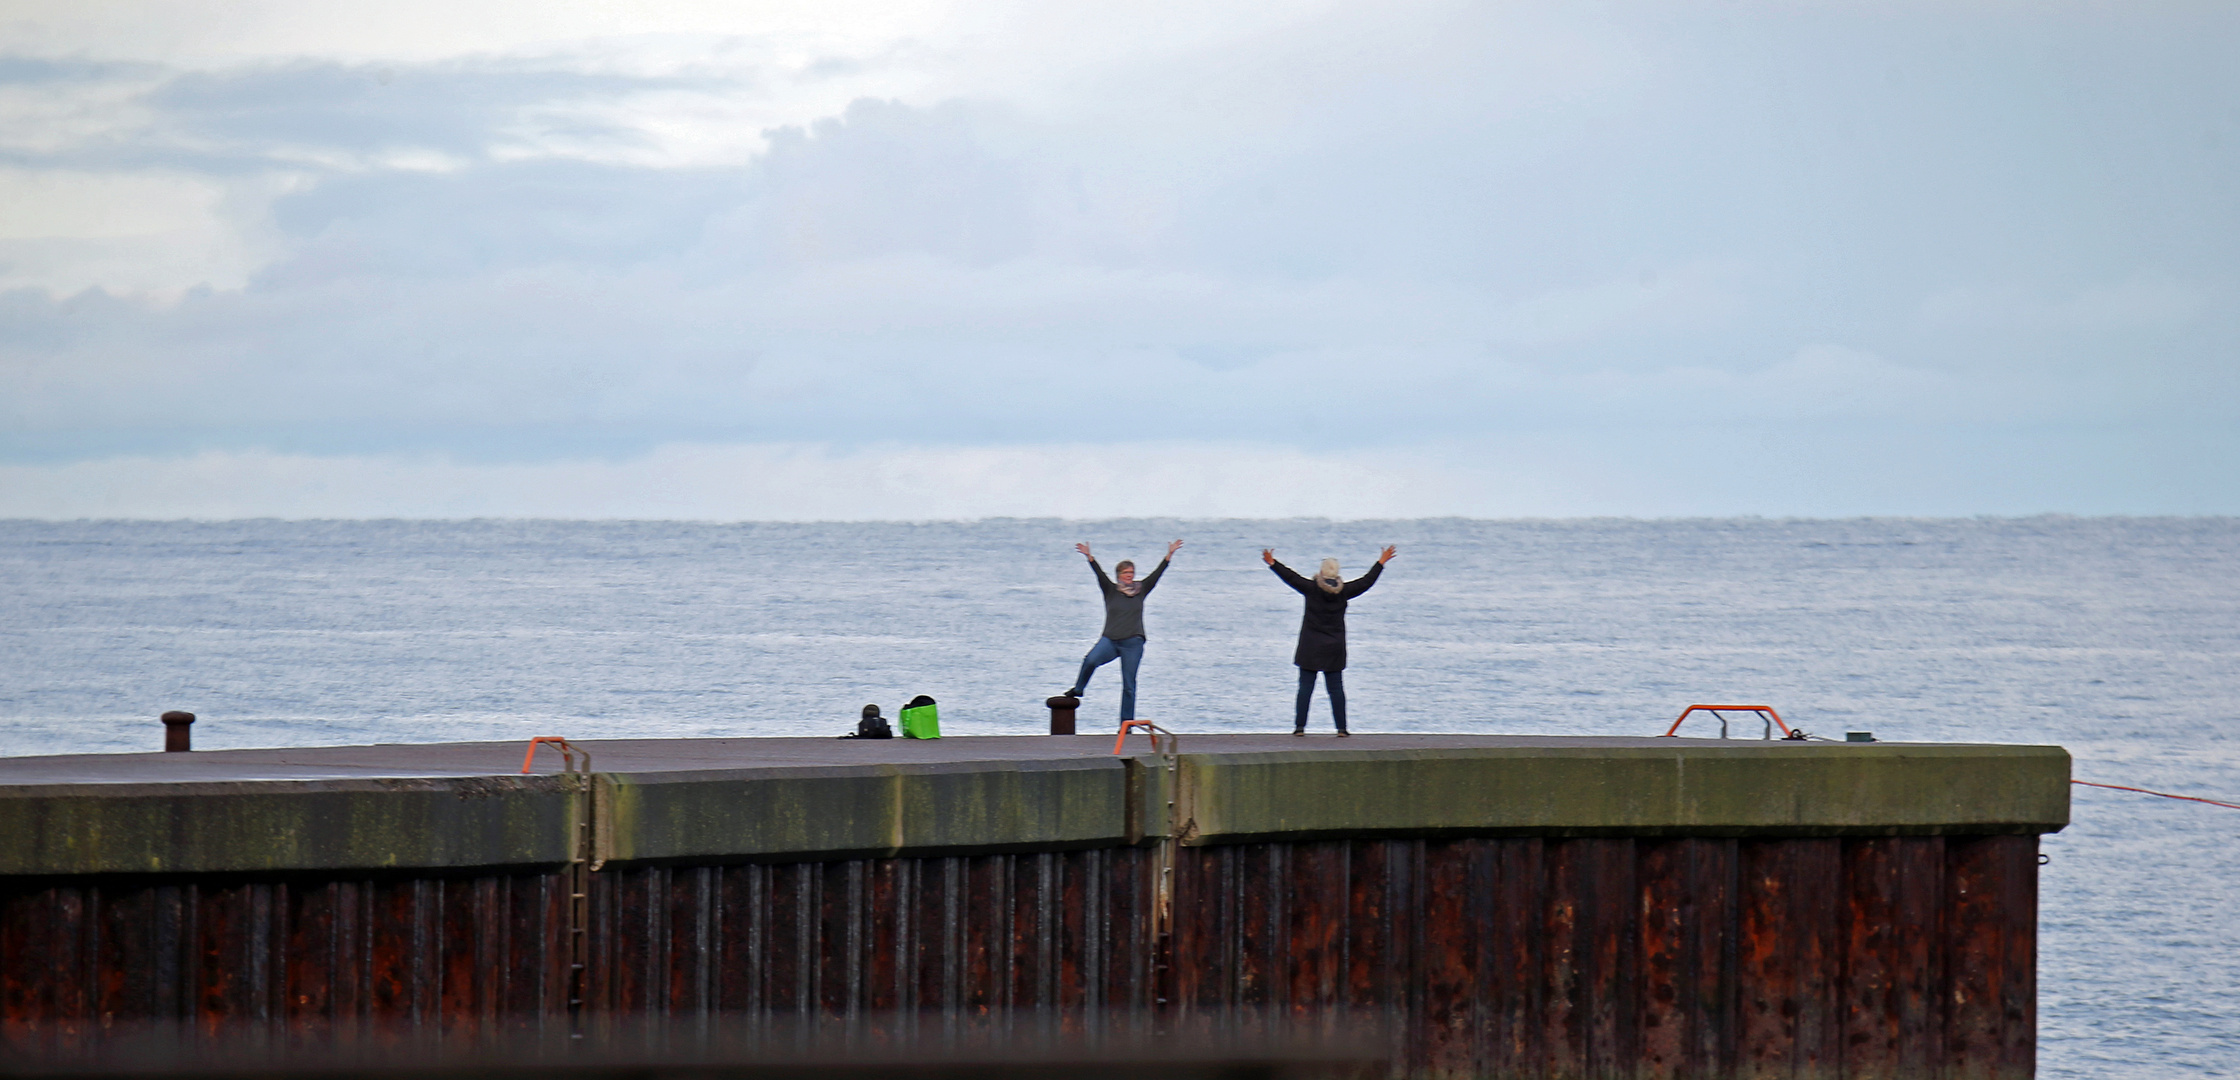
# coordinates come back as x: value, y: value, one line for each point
x: 1061, y: 714
x: 176, y: 737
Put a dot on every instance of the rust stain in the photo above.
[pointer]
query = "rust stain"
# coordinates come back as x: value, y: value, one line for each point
x: 1688, y: 957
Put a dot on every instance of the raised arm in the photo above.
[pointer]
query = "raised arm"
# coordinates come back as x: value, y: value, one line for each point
x: 1284, y: 573
x: 1104, y: 584
x: 1144, y: 586
x: 1361, y: 584
x: 1150, y: 581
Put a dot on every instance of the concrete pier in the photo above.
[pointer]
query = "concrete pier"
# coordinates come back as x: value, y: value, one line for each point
x: 1507, y: 905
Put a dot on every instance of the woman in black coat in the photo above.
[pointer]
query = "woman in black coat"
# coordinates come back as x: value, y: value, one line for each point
x: 1322, y: 632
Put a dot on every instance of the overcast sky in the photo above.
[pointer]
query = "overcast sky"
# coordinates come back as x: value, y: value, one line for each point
x: 817, y: 260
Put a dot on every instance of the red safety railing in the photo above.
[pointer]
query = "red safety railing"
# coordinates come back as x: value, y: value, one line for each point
x: 568, y: 752
x: 1773, y: 719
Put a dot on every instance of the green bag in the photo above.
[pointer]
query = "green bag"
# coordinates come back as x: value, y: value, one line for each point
x: 920, y: 720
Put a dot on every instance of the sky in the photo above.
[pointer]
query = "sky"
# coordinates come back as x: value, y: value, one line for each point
x: 832, y: 261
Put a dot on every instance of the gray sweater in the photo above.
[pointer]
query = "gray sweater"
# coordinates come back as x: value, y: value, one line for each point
x: 1123, y: 614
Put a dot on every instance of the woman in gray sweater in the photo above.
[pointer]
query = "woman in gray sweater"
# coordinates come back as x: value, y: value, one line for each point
x: 1122, y: 639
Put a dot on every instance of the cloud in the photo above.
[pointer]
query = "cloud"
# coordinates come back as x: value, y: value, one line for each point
x: 150, y: 233
x: 1317, y: 227
x: 1678, y: 467
x: 342, y: 116
x: 2149, y: 304
x: 1697, y: 296
x: 886, y: 179
x: 1830, y: 380
x: 493, y: 218
x: 200, y: 33
x: 320, y: 116
x: 784, y: 482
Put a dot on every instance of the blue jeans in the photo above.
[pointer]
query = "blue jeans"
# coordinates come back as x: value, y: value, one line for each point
x: 1335, y: 682
x: 1129, y: 652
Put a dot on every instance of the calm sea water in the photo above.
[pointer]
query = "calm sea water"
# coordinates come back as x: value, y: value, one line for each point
x: 2119, y: 639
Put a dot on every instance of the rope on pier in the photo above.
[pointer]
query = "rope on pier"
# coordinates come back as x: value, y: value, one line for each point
x: 2164, y: 794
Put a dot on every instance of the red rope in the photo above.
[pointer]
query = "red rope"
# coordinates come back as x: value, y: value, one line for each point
x: 2164, y: 794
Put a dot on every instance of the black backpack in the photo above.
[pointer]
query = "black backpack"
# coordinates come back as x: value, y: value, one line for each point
x: 872, y: 726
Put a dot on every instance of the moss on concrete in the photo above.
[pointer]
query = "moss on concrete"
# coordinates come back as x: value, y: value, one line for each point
x: 807, y: 812
x: 882, y: 810
x: 1779, y: 789
x: 286, y: 825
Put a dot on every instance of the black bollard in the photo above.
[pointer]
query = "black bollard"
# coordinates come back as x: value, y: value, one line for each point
x: 176, y: 736
x: 1061, y: 714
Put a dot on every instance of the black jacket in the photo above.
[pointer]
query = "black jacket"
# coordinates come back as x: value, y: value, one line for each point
x: 1322, y: 632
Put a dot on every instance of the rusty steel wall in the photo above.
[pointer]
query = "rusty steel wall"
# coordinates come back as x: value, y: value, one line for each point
x: 1886, y: 957
x: 970, y: 935
x: 1532, y: 957
x: 455, y: 953
x: 1063, y: 933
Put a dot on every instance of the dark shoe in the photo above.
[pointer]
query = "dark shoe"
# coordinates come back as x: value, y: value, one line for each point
x: 1345, y: 734
x: 1298, y: 731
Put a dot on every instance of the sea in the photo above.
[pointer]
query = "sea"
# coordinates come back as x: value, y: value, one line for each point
x: 2116, y: 638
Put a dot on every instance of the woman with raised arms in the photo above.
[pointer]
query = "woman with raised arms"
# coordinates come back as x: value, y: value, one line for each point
x: 1123, y: 635
x: 1322, y: 630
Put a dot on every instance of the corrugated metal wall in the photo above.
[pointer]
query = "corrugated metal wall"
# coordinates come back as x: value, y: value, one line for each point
x: 1896, y: 957
x: 1063, y: 932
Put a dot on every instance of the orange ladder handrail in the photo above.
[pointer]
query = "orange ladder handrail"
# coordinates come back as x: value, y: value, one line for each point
x: 1719, y: 710
x: 568, y: 752
x: 1150, y: 729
